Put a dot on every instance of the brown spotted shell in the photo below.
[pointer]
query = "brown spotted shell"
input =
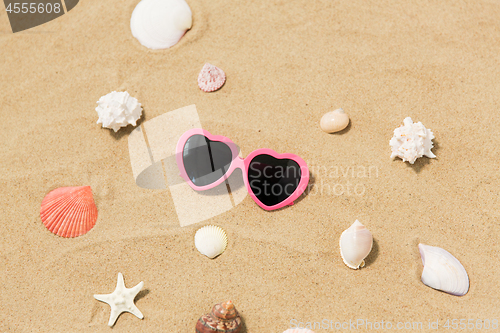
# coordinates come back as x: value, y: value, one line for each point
x: 223, y: 318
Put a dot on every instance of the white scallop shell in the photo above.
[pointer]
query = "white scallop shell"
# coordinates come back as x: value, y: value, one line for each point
x: 442, y: 271
x: 210, y: 241
x: 160, y: 24
x: 355, y: 245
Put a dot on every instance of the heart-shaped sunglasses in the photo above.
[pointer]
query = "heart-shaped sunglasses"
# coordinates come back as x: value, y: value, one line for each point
x: 273, y: 180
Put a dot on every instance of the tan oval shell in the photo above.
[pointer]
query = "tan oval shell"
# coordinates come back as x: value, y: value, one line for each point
x: 223, y: 318
x: 69, y: 211
x: 334, y: 121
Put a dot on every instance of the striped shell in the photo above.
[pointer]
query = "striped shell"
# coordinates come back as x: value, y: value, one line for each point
x: 69, y: 211
x: 223, y: 318
x: 210, y: 241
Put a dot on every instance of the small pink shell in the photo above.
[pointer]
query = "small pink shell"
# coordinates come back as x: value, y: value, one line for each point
x: 69, y: 211
x: 298, y: 330
x: 211, y: 78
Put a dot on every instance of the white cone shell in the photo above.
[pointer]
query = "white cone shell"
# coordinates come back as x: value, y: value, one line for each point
x: 210, y: 241
x: 160, y: 24
x: 355, y: 245
x: 442, y: 271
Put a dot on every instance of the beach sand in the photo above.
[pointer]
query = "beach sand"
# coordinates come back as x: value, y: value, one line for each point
x: 287, y: 63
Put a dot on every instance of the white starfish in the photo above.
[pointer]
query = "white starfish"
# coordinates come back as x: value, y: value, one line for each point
x: 121, y: 300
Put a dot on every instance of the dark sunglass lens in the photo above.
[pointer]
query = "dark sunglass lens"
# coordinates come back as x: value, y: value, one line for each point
x: 205, y: 161
x: 273, y: 180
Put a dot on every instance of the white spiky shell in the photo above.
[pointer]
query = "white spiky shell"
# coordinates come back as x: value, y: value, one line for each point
x: 210, y: 241
x: 411, y: 141
x: 160, y: 24
x: 118, y: 109
x: 442, y: 271
x: 355, y: 245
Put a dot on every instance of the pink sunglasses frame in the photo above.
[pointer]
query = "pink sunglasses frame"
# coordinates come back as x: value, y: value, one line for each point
x: 243, y: 164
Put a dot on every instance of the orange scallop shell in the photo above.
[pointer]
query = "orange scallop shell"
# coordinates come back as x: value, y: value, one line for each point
x: 223, y: 318
x: 69, y: 211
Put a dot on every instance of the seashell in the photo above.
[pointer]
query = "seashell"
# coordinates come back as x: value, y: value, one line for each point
x: 442, y: 271
x: 355, y: 245
x: 210, y: 241
x: 118, y: 109
x: 69, y: 211
x: 411, y: 141
x: 223, y: 318
x: 160, y: 24
x: 298, y: 330
x: 334, y: 121
x: 211, y: 78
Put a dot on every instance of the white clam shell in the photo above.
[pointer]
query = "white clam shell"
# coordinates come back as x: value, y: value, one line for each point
x: 334, y: 121
x: 355, y: 245
x: 160, y: 24
x: 442, y: 271
x: 210, y: 241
